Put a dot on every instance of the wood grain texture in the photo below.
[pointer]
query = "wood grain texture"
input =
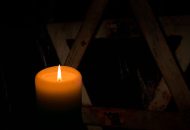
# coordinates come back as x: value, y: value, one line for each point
x: 161, y: 53
x: 87, y: 31
x: 173, y: 25
x: 58, y: 37
x: 162, y: 93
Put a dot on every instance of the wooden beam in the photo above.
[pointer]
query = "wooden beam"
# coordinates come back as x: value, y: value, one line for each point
x: 136, y: 119
x: 173, y: 25
x: 87, y: 31
x: 161, y: 53
x: 162, y: 93
x: 179, y: 25
x: 58, y: 39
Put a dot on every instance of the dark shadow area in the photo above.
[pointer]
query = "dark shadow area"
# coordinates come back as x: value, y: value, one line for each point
x: 113, y: 70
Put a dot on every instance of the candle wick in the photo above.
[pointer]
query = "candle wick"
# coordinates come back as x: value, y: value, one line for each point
x: 59, y: 74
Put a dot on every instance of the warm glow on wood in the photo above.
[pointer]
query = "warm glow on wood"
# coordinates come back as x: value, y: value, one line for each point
x: 59, y: 78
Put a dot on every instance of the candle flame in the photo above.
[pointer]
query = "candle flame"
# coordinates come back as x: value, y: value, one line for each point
x: 59, y: 74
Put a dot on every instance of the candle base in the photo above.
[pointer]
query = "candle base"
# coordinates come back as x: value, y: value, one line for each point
x: 59, y: 120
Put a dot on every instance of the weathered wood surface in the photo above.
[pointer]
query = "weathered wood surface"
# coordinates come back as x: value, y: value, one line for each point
x: 179, y: 26
x: 58, y: 37
x: 86, y: 32
x: 158, y: 46
x: 162, y: 93
x: 172, y: 25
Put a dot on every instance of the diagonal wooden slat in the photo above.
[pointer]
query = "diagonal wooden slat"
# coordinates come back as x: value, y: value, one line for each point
x: 173, y: 25
x: 161, y: 53
x: 87, y: 31
x: 162, y: 94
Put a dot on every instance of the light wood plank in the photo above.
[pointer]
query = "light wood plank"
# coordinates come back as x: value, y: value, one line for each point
x: 173, y: 25
x: 87, y: 31
x: 58, y: 37
x: 161, y: 53
x: 162, y: 93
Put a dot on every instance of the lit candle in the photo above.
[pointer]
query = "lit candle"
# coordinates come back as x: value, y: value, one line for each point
x: 58, y: 88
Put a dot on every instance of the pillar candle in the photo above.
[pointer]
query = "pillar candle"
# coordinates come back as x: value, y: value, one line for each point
x: 58, y: 88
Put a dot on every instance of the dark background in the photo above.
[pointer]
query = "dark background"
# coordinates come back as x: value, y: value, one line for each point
x: 25, y: 42
x: 34, y: 12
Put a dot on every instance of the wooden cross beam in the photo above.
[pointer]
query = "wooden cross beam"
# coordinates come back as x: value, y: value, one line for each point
x: 173, y: 25
x: 158, y: 46
x: 162, y: 93
x: 87, y: 31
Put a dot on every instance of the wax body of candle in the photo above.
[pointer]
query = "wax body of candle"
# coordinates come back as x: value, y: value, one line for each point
x: 58, y: 95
